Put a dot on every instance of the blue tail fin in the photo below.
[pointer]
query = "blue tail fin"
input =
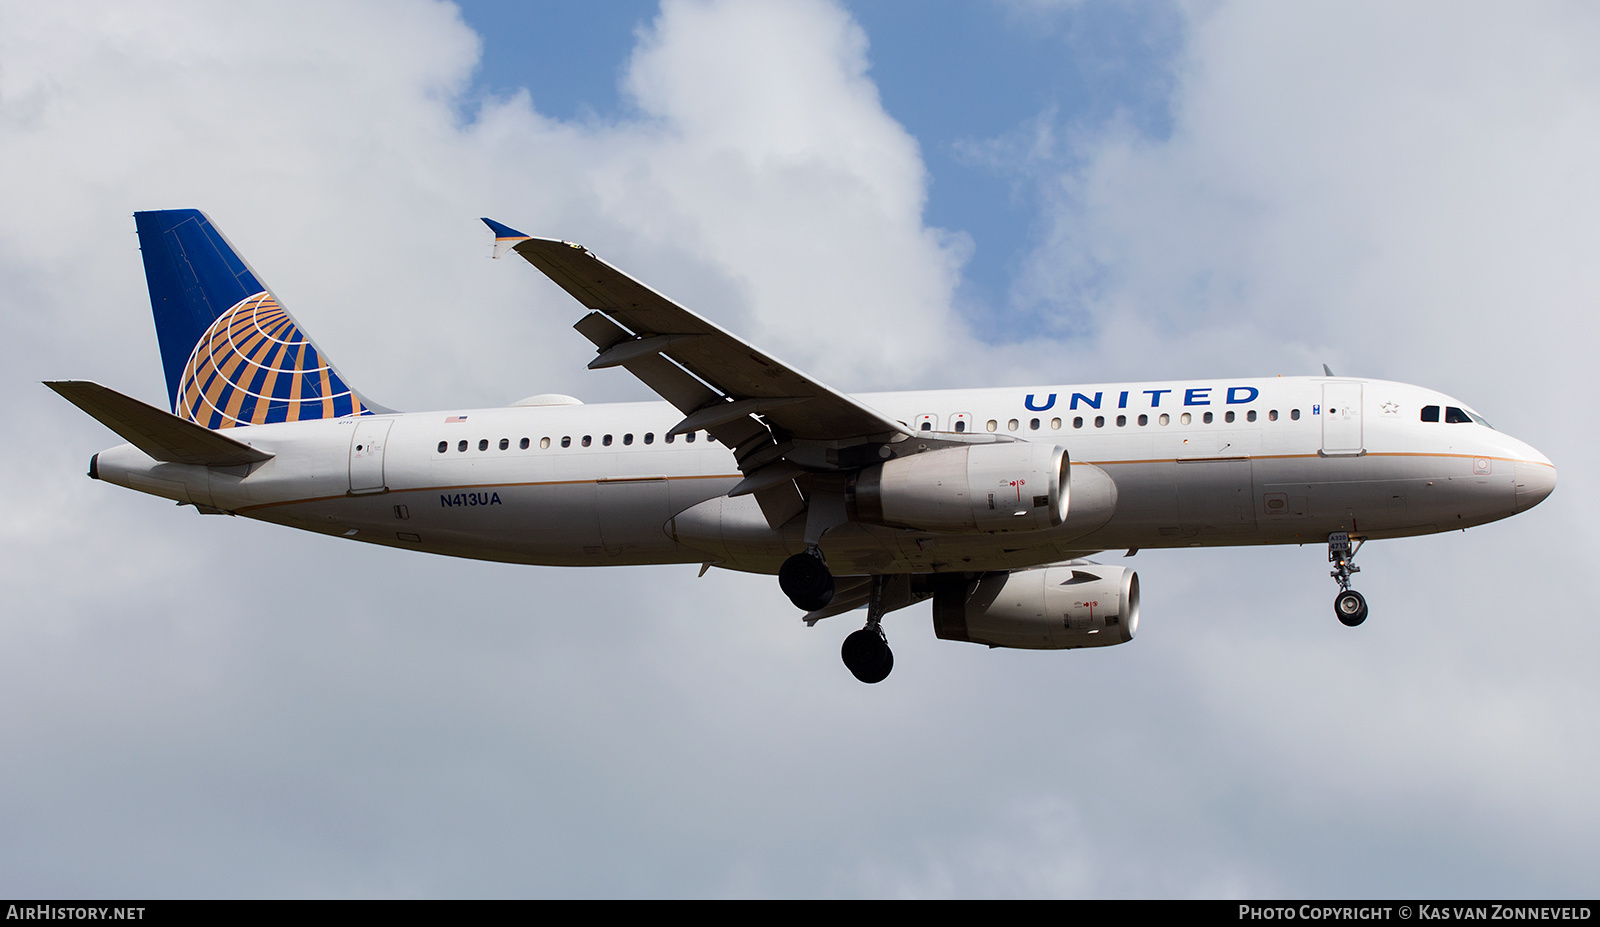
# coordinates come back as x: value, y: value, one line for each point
x: 233, y: 355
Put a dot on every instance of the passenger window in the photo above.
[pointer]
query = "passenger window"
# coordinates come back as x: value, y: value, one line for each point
x: 1033, y: 425
x: 544, y: 443
x: 1228, y: 416
x: 1206, y: 418
x: 649, y: 437
x: 524, y: 444
x: 1122, y: 421
x: 1250, y: 416
x: 1055, y: 424
x: 1144, y: 420
x: 1099, y: 421
x: 587, y: 440
x: 1077, y: 421
x: 606, y: 440
x: 1011, y: 425
x: 1165, y: 419
x: 627, y: 439
x: 1272, y: 416
x: 1185, y: 418
x: 689, y: 437
x: 992, y: 425
x: 671, y: 438
x: 461, y: 447
x: 1454, y: 416
x: 444, y: 446
x: 927, y: 426
x: 566, y: 440
x: 505, y: 444
x: 483, y: 444
x: 1294, y: 414
x: 1430, y: 413
x: 960, y: 426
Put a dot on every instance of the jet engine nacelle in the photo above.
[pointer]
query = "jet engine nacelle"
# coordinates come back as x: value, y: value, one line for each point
x: 1049, y: 608
x: 980, y: 487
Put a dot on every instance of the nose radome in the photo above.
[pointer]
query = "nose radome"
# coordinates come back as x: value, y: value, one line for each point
x: 1535, y: 481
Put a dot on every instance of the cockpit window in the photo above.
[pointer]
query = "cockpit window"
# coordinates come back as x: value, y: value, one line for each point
x: 1455, y: 416
x: 1430, y: 413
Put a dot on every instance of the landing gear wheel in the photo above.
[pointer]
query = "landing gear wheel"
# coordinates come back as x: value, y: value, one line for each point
x: 805, y: 579
x: 1351, y: 607
x: 867, y: 655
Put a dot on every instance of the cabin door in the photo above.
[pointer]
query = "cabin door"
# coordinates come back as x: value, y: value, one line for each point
x: 366, y: 454
x: 1341, y: 419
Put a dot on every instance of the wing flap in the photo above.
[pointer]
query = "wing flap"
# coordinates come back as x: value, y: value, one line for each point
x: 157, y: 432
x: 751, y: 441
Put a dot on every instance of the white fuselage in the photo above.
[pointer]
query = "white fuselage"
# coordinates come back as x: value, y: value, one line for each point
x: 1194, y: 463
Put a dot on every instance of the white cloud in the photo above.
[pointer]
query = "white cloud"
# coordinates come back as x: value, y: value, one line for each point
x: 1402, y: 193
x: 218, y: 706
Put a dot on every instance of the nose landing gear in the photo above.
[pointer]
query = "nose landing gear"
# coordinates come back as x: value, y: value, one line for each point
x: 1349, y: 605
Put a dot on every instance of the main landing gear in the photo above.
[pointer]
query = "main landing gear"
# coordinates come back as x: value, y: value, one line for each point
x: 866, y: 652
x: 805, y: 579
x: 1349, y: 605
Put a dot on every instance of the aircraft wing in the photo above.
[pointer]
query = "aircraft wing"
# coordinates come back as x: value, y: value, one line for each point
x: 747, y: 381
x: 778, y: 421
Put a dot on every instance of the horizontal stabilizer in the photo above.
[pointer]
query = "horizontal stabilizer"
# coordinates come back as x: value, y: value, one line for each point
x: 157, y: 432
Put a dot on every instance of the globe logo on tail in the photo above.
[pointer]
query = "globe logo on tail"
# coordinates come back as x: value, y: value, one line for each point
x: 254, y: 366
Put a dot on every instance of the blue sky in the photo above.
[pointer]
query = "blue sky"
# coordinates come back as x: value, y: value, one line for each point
x: 955, y: 74
x: 887, y: 196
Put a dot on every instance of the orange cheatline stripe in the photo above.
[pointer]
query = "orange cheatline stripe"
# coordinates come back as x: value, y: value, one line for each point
x: 468, y: 487
x: 1107, y: 463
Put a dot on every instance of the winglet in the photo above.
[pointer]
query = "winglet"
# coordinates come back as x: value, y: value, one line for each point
x: 505, y: 237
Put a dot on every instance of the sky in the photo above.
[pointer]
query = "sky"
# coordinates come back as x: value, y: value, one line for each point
x: 887, y: 195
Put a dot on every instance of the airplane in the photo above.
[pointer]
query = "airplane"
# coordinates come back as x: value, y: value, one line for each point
x: 987, y: 501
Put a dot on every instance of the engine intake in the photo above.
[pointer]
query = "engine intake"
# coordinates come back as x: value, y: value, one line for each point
x: 980, y: 487
x: 1048, y: 608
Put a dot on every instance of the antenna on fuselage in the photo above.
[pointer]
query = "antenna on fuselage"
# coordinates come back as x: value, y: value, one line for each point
x: 1326, y: 370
